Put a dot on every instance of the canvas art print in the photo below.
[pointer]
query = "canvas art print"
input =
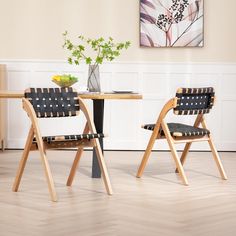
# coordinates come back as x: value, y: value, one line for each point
x: 171, y: 23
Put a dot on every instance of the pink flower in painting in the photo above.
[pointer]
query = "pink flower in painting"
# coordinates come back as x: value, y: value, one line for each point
x: 171, y: 23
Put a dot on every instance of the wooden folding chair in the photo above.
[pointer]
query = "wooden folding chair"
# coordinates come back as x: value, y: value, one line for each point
x: 188, y: 101
x: 41, y: 103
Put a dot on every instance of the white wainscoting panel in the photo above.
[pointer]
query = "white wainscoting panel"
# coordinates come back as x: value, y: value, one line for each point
x: 123, y: 119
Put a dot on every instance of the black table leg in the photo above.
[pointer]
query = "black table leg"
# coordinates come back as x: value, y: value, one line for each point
x: 98, y: 113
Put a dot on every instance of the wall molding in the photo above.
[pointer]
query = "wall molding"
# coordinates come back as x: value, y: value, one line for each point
x: 157, y: 81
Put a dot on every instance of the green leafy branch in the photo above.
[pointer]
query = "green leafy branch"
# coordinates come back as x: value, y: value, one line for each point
x: 104, y: 49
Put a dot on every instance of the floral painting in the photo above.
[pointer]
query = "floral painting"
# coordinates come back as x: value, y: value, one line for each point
x: 171, y: 23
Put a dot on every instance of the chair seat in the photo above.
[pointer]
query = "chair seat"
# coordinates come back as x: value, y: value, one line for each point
x: 181, y: 130
x: 69, y: 138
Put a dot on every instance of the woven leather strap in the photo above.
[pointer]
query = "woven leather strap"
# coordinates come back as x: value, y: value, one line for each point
x: 193, y: 101
x: 53, y: 102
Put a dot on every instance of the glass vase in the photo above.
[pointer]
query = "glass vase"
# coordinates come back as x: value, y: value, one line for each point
x: 93, y: 79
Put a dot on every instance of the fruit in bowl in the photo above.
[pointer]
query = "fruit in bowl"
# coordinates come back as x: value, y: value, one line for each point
x: 64, y: 80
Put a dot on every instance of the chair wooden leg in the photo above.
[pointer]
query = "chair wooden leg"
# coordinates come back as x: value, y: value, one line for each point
x: 23, y: 160
x: 103, y: 167
x: 215, y: 153
x: 74, y: 167
x: 48, y: 174
x: 147, y: 153
x: 77, y: 159
x: 47, y: 170
x: 174, y: 153
x: 178, y: 163
x: 217, y: 159
x: 184, y: 155
x: 188, y: 145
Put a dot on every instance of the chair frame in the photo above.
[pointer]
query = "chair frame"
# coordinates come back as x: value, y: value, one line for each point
x: 160, y: 123
x: 42, y: 146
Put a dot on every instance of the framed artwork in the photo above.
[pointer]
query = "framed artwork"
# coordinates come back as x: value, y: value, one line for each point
x: 171, y: 23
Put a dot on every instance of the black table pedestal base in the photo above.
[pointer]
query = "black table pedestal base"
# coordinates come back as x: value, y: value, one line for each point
x: 98, y: 114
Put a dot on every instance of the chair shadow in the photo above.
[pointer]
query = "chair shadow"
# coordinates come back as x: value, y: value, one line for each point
x: 151, y: 173
x: 202, y: 173
x: 84, y: 171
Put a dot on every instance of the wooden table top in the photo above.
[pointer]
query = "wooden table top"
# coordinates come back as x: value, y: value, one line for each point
x: 20, y: 94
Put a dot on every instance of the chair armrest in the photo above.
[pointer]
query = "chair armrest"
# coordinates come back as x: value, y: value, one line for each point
x: 27, y: 106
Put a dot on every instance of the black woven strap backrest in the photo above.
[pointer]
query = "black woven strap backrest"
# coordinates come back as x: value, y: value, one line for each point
x: 192, y: 101
x: 53, y: 102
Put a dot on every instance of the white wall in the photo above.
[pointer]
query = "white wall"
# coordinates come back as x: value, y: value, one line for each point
x: 156, y: 81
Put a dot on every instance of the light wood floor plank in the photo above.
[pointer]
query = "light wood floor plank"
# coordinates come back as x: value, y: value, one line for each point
x: 156, y: 204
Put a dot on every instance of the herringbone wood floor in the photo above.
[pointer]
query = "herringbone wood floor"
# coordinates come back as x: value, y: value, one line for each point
x: 156, y: 204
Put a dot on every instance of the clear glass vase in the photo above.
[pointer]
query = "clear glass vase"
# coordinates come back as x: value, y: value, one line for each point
x: 93, y: 79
